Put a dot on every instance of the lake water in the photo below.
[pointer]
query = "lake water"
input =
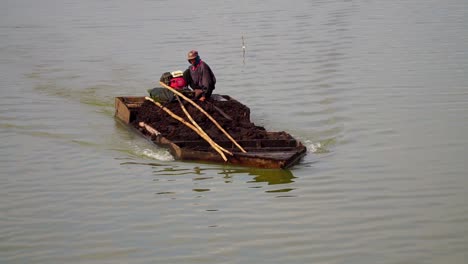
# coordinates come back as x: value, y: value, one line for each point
x: 377, y: 91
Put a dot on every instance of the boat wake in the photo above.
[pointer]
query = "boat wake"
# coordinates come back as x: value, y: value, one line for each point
x: 315, y: 147
x: 157, y: 154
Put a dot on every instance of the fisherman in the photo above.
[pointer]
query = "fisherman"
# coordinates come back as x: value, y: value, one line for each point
x: 199, y: 76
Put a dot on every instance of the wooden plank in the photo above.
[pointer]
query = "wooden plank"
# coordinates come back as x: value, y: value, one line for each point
x: 121, y: 110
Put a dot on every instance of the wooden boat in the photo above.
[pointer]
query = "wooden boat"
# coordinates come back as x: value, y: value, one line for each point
x: 261, y: 153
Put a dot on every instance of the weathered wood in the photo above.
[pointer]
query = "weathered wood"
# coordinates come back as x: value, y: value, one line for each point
x: 149, y: 128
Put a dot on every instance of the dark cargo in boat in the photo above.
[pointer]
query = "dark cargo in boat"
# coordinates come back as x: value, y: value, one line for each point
x: 263, y: 149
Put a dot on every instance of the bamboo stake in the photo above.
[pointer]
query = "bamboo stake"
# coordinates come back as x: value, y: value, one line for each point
x: 205, y: 137
x: 204, y: 112
x: 198, y: 127
x: 148, y: 128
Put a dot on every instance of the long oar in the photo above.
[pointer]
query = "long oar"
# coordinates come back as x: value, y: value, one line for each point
x: 204, y: 112
x: 198, y: 127
x: 205, y: 137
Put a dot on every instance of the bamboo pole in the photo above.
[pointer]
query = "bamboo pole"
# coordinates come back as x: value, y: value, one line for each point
x: 148, y: 128
x: 198, y: 127
x: 204, y: 136
x: 204, y: 112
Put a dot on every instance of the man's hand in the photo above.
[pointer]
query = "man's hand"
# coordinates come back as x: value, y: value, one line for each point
x: 198, y: 92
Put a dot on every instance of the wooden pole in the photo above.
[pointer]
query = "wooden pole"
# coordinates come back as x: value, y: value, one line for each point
x: 205, y: 137
x: 204, y: 112
x: 148, y: 128
x: 198, y: 127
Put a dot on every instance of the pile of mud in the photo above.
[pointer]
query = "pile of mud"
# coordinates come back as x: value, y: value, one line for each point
x: 233, y: 116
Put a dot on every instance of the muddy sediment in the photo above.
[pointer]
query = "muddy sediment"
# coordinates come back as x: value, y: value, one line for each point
x: 233, y: 116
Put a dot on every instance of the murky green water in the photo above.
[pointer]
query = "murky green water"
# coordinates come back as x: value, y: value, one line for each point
x: 377, y: 90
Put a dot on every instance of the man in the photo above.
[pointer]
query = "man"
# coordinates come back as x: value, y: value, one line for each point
x: 199, y: 76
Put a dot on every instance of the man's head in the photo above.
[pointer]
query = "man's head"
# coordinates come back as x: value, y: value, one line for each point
x: 193, y: 57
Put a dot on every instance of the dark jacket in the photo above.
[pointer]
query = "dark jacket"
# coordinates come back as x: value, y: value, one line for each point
x: 202, y: 77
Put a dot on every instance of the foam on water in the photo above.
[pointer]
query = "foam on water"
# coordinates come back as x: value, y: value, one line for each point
x: 158, y: 155
x: 153, y: 153
x: 316, y: 147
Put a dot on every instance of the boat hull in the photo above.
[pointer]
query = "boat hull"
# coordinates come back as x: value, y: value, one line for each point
x: 261, y: 153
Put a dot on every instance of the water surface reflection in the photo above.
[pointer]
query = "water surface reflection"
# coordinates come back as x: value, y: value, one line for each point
x: 214, y: 175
